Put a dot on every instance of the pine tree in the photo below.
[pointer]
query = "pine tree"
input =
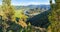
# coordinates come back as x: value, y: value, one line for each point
x: 54, y: 18
x: 8, y: 13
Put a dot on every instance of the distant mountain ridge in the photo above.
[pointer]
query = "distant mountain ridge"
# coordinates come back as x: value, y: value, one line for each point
x: 32, y: 6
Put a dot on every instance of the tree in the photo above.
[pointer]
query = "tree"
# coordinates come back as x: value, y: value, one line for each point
x: 8, y: 13
x: 54, y: 18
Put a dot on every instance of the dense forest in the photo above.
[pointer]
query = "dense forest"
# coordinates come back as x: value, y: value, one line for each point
x: 16, y: 21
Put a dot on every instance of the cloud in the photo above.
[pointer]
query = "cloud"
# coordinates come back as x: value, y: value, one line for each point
x: 29, y: 3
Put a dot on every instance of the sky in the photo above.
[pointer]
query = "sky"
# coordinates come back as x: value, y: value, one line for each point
x: 28, y: 2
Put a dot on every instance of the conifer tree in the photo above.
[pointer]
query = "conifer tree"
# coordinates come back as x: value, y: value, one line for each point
x: 8, y: 13
x: 54, y: 18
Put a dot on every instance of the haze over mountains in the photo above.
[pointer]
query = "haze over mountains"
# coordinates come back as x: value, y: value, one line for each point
x: 32, y: 6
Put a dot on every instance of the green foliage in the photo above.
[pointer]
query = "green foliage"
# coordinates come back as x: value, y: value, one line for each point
x: 20, y: 14
x: 55, y: 21
x: 8, y: 13
x: 54, y: 18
